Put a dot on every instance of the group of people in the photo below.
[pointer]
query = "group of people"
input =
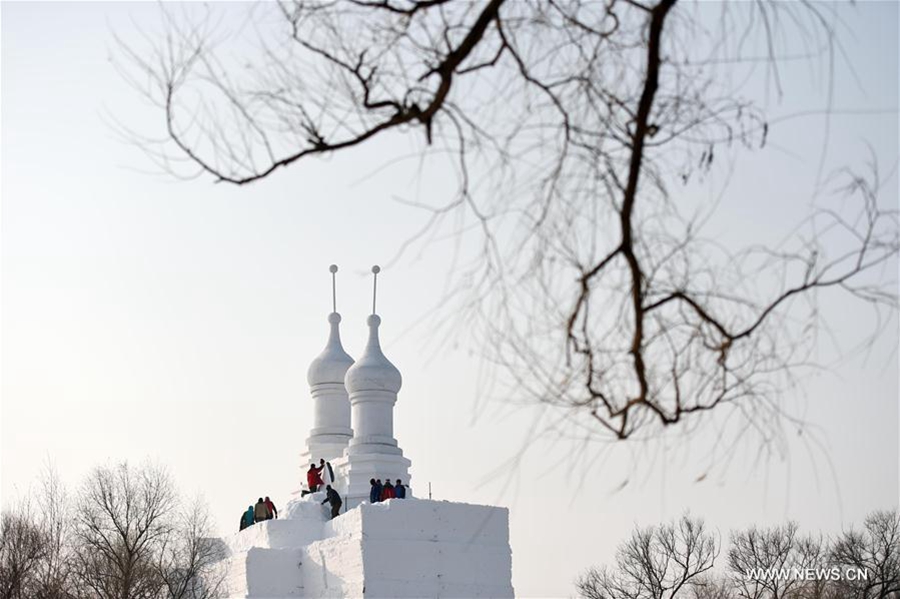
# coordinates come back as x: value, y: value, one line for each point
x: 263, y: 510
x: 383, y: 492
x: 379, y: 492
x: 315, y: 479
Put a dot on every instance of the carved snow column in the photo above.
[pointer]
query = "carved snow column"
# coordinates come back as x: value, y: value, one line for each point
x: 373, y: 383
x: 331, y: 430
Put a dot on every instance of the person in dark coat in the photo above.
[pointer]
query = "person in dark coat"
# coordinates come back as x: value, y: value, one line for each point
x: 379, y: 488
x: 270, y: 509
x: 334, y: 498
x: 399, y: 490
x: 374, y: 495
x: 259, y: 511
x: 388, y: 491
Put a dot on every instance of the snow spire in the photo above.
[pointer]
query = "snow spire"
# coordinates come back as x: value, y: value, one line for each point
x: 375, y: 270
x: 372, y: 383
x: 333, y: 270
x: 373, y: 371
x: 331, y: 406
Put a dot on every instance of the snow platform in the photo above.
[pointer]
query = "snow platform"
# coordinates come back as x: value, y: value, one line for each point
x: 400, y: 548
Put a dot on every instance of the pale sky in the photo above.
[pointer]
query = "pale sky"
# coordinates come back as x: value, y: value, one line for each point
x: 144, y: 317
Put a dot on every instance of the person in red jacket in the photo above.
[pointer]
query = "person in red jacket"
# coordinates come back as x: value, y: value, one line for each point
x: 271, y: 510
x: 314, y: 477
x: 388, y: 491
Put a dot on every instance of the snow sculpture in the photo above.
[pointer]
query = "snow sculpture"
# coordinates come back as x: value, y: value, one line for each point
x: 396, y: 548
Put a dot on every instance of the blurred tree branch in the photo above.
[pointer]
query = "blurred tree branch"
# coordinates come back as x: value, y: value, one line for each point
x: 569, y: 123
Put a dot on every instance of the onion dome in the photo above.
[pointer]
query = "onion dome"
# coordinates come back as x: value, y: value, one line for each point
x: 373, y: 371
x: 331, y: 365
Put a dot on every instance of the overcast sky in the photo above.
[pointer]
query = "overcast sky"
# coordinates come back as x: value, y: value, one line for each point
x: 146, y: 317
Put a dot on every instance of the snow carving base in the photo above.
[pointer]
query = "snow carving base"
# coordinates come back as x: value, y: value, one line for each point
x: 401, y: 548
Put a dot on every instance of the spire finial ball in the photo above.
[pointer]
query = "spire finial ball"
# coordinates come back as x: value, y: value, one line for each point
x: 333, y: 268
x: 376, y: 269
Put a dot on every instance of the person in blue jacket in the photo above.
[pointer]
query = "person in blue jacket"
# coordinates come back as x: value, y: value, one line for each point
x: 247, y: 519
x: 374, y: 493
x: 399, y: 490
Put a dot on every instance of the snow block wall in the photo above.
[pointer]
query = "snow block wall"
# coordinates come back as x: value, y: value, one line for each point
x: 435, y: 549
x: 396, y: 549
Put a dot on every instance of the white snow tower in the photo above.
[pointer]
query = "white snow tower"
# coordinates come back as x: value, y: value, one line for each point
x: 372, y: 383
x: 331, y: 407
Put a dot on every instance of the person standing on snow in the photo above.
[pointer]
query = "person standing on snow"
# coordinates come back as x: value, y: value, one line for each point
x: 399, y: 490
x: 247, y: 519
x: 314, y: 478
x: 378, y: 489
x: 388, y: 491
x: 334, y: 499
x: 259, y: 512
x: 374, y: 493
x: 270, y: 509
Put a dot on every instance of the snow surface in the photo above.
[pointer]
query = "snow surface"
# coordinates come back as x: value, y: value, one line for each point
x: 399, y: 548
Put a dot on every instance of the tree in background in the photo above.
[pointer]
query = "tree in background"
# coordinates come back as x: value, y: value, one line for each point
x: 774, y: 549
x: 189, y: 561
x: 36, y: 549
x: 125, y: 535
x: 122, y: 518
x: 875, y: 549
x: 711, y: 586
x: 54, y: 517
x: 23, y: 547
x: 762, y: 563
x: 574, y: 129
x: 658, y: 562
